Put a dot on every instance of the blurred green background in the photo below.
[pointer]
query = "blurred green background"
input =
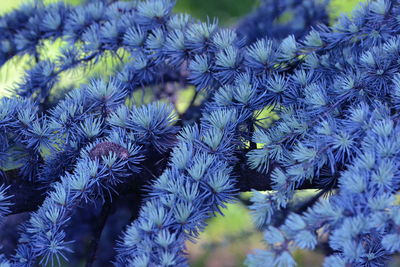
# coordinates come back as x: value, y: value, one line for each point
x: 228, y: 238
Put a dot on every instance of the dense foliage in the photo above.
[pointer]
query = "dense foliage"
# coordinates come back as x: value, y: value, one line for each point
x: 73, y: 163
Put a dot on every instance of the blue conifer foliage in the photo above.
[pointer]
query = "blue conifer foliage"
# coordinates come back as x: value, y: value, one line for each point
x: 107, y: 158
